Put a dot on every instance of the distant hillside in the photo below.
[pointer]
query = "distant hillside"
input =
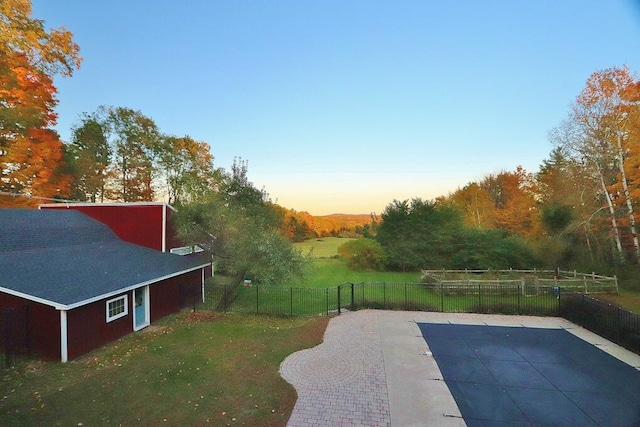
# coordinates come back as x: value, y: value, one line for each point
x: 300, y: 226
x: 335, y: 224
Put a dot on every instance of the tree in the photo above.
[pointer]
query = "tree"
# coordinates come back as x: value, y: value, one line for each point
x: 491, y: 249
x: 559, y: 180
x: 568, y: 201
x: 363, y: 254
x: 186, y: 167
x: 597, y: 133
x: 295, y: 228
x: 31, y: 153
x: 134, y: 140
x: 419, y: 234
x: 263, y: 255
x: 33, y: 167
x: 557, y: 217
x: 604, y: 112
x: 476, y: 203
x: 513, y: 195
x: 89, y: 155
x: 237, y: 188
x: 241, y: 232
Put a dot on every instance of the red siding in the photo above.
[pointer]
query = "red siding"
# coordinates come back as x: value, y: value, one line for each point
x: 138, y: 224
x: 165, y: 296
x: 87, y: 327
x: 44, y: 325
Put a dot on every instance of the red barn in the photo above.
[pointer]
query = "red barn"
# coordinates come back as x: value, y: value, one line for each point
x: 142, y: 223
x: 83, y: 286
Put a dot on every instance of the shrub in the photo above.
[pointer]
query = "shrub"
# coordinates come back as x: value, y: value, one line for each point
x: 363, y: 254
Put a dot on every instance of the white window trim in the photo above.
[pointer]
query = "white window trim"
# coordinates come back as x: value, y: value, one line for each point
x: 119, y: 315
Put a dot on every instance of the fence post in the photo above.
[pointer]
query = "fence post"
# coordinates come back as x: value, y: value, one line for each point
x: 339, y: 291
x: 520, y: 293
x: 384, y: 295
x: 441, y: 298
x: 353, y: 304
x: 405, y: 295
x: 326, y: 297
x: 618, y: 333
x: 224, y: 299
x: 558, y: 299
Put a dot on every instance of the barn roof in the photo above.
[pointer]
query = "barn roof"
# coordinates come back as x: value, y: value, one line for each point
x: 66, y: 259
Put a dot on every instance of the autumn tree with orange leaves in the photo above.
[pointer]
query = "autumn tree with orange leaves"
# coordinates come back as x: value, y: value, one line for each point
x: 476, y: 203
x: 31, y: 153
x: 513, y: 195
x: 600, y: 134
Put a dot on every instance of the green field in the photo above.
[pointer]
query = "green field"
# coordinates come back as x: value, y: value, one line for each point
x: 325, y: 247
x: 329, y: 271
x: 332, y: 272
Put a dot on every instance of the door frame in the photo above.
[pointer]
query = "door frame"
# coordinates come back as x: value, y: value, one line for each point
x: 141, y: 295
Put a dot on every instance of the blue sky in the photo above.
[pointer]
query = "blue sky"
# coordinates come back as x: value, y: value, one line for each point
x: 344, y: 106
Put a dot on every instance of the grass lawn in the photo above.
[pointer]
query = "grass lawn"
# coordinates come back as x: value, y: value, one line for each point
x: 188, y: 369
x: 324, y: 247
x: 627, y: 299
x: 326, y: 273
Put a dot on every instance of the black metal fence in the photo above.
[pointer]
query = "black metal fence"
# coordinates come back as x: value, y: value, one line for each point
x: 15, y: 336
x: 619, y: 326
x: 613, y: 323
x: 190, y: 295
x: 271, y: 300
x: 504, y: 299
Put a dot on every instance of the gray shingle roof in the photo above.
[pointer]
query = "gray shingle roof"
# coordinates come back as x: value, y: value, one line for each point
x: 65, y: 258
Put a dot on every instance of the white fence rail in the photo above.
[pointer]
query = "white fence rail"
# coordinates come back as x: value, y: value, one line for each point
x: 531, y: 282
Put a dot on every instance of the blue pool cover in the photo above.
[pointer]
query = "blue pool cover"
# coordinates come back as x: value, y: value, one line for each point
x: 517, y: 376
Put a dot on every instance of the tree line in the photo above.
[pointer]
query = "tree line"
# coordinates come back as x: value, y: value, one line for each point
x: 577, y: 210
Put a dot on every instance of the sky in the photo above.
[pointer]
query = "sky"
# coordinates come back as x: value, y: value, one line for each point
x: 345, y: 106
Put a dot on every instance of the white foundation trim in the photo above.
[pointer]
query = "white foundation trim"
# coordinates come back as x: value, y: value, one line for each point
x: 64, y: 350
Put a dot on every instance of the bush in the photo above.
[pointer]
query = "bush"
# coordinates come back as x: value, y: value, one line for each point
x: 363, y: 254
x: 494, y: 249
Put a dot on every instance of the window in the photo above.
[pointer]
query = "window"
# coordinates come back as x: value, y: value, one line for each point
x: 117, y: 308
x: 187, y: 250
